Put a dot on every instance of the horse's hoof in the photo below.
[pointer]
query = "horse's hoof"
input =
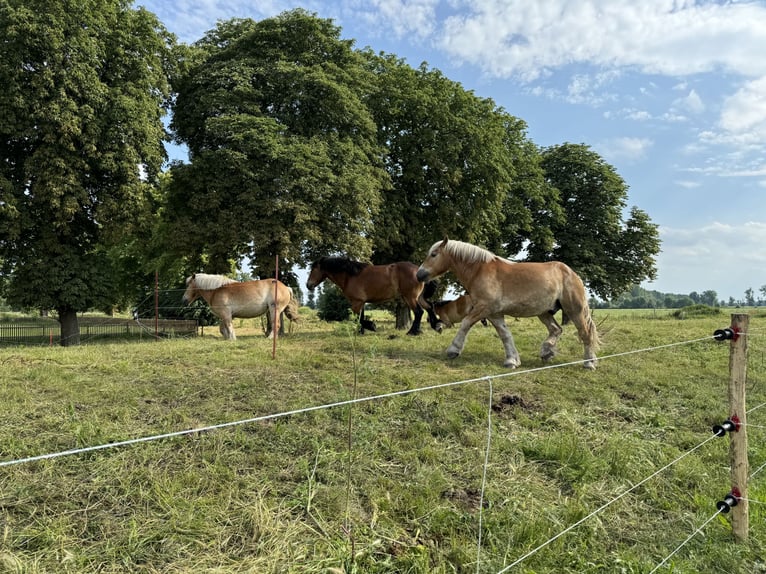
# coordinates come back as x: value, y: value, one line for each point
x: 415, y: 333
x: 547, y: 357
x: 439, y: 327
x: 510, y: 364
x: 590, y: 365
x: 452, y: 355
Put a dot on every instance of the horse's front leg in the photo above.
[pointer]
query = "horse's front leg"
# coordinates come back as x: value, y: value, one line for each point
x: 415, y: 328
x: 358, y: 308
x: 456, y: 347
x: 512, y: 358
x: 227, y: 330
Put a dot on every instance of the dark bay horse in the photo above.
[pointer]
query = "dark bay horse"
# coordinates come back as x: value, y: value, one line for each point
x: 500, y: 287
x: 367, y: 283
x: 229, y: 298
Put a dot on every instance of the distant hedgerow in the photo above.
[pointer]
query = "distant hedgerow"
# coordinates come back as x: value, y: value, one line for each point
x: 696, y: 311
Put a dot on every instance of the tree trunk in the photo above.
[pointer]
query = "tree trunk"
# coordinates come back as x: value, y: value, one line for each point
x: 403, y: 316
x: 70, y: 327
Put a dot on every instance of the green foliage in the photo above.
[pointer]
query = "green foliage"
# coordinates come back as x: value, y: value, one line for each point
x: 639, y: 298
x: 696, y: 311
x: 284, y: 157
x: 332, y: 305
x: 454, y: 160
x: 610, y: 254
x: 169, y: 305
x: 84, y: 86
x: 301, y: 146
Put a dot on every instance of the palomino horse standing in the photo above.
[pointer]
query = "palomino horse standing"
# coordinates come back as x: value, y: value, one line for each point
x: 246, y: 299
x: 499, y: 287
x: 366, y: 283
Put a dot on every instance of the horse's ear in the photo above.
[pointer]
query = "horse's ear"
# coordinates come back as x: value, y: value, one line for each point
x: 445, y: 241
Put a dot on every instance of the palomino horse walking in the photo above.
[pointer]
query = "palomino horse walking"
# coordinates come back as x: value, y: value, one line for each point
x: 499, y: 287
x: 366, y: 283
x: 245, y: 299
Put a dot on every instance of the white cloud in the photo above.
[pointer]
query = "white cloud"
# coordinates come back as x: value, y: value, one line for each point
x: 744, y: 114
x: 522, y: 38
x: 720, y: 256
x: 691, y: 103
x: 587, y: 88
x: 625, y: 148
x: 638, y: 115
x: 402, y: 17
x: 645, y: 115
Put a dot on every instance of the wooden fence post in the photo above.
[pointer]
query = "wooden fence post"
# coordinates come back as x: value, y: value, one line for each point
x: 738, y: 440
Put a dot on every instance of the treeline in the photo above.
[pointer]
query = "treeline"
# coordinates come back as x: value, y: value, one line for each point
x: 300, y: 146
x: 640, y: 298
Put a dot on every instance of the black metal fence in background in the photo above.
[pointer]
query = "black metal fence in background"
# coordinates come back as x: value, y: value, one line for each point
x: 96, y: 328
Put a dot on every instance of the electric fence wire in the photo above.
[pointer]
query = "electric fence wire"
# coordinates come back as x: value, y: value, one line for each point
x: 328, y: 406
x: 685, y: 542
x: 604, y: 506
x: 403, y: 393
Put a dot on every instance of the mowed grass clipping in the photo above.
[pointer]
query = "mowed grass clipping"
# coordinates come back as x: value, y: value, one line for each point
x: 385, y: 485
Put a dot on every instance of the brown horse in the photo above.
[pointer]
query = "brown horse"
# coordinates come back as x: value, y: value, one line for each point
x: 366, y: 283
x: 246, y: 299
x: 452, y: 311
x: 499, y: 287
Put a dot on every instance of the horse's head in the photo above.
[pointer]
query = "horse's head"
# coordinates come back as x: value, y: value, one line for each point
x: 191, y: 290
x: 436, y: 262
x: 316, y: 275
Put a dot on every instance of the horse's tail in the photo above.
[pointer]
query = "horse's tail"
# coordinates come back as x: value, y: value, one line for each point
x: 577, y: 310
x: 292, y: 308
x: 595, y: 339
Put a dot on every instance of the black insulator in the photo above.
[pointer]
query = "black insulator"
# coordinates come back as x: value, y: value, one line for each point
x: 729, y: 501
x: 724, y: 427
x: 723, y: 334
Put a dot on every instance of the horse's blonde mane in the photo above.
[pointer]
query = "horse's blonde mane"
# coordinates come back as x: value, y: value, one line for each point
x: 206, y: 281
x: 469, y: 252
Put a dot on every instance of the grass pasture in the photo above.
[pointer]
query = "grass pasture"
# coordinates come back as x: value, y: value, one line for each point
x: 390, y: 485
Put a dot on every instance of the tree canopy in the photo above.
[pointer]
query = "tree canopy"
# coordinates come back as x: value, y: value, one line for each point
x: 81, y: 135
x: 299, y: 146
x: 283, y: 149
x: 453, y: 159
x: 611, y: 254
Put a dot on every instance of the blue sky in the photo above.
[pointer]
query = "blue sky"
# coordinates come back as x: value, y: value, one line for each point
x: 672, y: 93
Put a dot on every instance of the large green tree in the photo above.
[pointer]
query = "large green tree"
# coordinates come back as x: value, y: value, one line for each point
x: 611, y: 254
x: 459, y: 165
x: 81, y: 133
x: 284, y: 159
